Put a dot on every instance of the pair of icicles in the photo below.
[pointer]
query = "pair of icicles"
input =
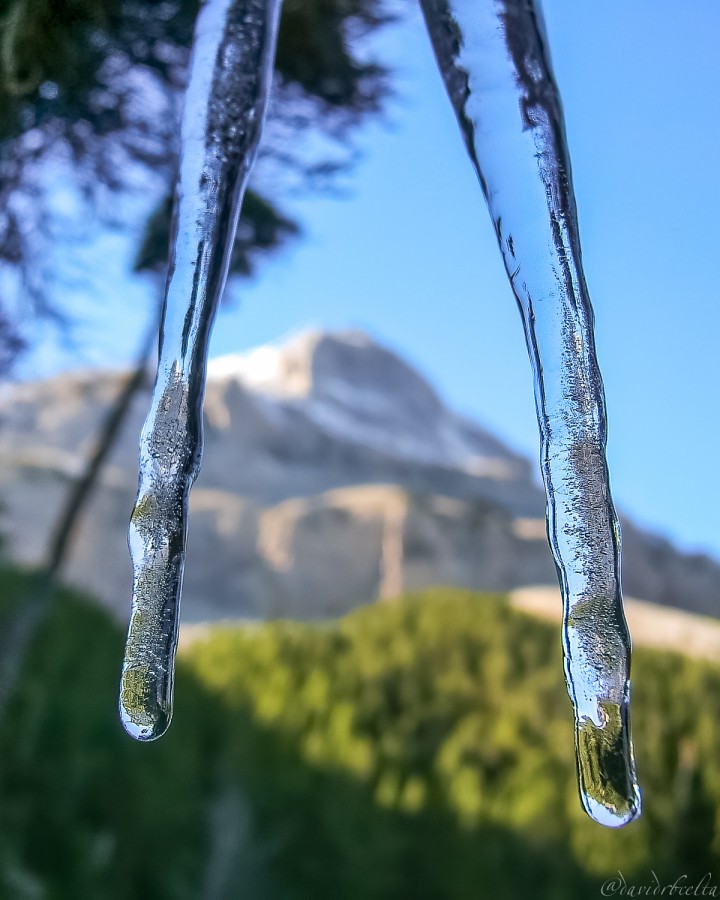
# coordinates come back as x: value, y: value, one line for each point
x: 493, y: 57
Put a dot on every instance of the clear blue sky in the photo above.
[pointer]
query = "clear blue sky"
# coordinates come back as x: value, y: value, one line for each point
x: 411, y: 257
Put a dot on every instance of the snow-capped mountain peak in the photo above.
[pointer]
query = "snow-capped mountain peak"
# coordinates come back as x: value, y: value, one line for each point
x: 354, y: 388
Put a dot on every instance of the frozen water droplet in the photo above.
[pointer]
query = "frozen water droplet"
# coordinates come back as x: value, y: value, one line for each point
x: 226, y: 98
x: 494, y: 59
x: 606, y: 786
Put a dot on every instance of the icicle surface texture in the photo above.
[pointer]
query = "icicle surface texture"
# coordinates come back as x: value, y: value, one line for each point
x: 494, y: 59
x: 230, y: 73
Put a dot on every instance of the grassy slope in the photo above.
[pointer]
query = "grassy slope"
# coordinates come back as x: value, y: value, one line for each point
x: 420, y: 749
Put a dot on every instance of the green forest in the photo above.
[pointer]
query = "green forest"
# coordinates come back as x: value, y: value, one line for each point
x: 415, y: 749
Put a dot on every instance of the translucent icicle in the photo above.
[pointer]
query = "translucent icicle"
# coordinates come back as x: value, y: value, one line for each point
x: 230, y: 73
x: 493, y: 56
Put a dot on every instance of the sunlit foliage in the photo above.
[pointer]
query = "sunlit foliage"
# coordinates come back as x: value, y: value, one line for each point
x: 415, y: 749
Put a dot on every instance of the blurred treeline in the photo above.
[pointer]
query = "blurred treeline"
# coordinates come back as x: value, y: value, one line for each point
x: 415, y: 749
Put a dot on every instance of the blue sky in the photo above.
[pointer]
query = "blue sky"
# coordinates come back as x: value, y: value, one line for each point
x: 410, y: 254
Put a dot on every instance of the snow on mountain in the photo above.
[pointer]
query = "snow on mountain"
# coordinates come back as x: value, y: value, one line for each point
x: 356, y: 390
x: 333, y: 474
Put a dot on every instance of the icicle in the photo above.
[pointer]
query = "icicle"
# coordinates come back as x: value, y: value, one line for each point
x: 230, y: 74
x: 494, y: 59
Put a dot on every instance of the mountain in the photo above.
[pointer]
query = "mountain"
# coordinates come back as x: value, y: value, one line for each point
x: 333, y: 475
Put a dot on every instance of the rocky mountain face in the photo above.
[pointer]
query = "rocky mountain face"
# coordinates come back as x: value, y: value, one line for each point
x: 333, y: 475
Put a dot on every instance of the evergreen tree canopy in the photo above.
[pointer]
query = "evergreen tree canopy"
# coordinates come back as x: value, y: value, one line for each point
x: 98, y: 84
x: 421, y: 748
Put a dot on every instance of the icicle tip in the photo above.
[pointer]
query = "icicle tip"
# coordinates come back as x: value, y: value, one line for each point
x: 606, y: 768
x: 144, y: 713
